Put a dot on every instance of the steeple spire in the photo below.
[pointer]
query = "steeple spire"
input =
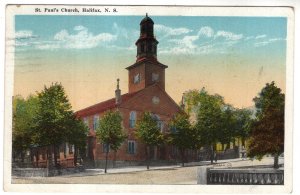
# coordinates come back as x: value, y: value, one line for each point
x: 118, y: 93
x: 146, y: 44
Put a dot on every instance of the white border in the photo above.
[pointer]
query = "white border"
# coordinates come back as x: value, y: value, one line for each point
x: 172, y: 188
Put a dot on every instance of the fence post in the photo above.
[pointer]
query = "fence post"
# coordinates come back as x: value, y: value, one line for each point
x: 202, y: 175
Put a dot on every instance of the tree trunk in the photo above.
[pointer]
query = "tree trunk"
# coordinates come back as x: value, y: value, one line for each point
x: 276, y: 159
x: 211, y: 154
x: 47, y: 157
x: 37, y: 157
x: 182, y: 157
x: 22, y: 156
x: 75, y: 155
x: 106, y: 156
x: 114, y: 160
x: 55, y: 156
x: 147, y: 157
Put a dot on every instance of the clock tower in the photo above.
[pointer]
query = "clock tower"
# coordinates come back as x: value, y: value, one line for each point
x: 147, y: 70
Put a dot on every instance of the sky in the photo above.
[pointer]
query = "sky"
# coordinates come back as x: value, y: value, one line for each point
x: 231, y: 56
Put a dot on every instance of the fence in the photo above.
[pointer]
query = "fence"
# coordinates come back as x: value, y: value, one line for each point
x: 266, y: 176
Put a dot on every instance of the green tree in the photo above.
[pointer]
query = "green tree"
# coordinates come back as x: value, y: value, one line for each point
x: 209, y: 119
x: 24, y: 112
x: 77, y: 136
x: 182, y: 135
x: 227, y: 131
x: 267, y: 133
x: 110, y: 132
x: 149, y: 132
x: 243, y: 123
x: 53, y: 118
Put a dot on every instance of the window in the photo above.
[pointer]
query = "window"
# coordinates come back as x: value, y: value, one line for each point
x: 160, y: 123
x: 105, y: 147
x: 86, y: 121
x: 132, y: 119
x: 142, y: 48
x: 131, y: 147
x: 95, y: 122
x: 149, y: 47
x: 71, y: 148
x: 136, y: 78
x: 155, y: 76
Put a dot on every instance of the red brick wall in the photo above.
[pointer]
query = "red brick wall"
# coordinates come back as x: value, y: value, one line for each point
x: 131, y: 73
x: 150, y: 68
x: 140, y: 103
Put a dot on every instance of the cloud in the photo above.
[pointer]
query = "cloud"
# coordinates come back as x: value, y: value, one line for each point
x: 81, y: 39
x: 80, y: 28
x: 267, y: 42
x: 168, y: 31
x: 205, y: 41
x: 228, y: 35
x: 24, y: 34
x: 260, y: 36
x: 206, y: 31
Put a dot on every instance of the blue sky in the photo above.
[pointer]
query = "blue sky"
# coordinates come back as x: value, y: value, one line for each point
x: 232, y: 56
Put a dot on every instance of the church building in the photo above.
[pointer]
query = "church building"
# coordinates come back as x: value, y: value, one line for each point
x: 146, y: 92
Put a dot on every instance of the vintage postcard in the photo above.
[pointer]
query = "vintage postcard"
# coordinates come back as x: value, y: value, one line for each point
x: 148, y: 98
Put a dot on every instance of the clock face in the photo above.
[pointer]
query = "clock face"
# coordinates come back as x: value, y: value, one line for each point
x: 155, y: 77
x: 136, y: 78
x: 155, y: 100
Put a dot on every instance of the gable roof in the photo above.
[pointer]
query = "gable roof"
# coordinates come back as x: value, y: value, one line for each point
x: 111, y: 103
x: 147, y: 59
x: 103, y: 106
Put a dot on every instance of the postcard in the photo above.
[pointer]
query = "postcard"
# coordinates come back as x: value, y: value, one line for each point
x: 165, y: 99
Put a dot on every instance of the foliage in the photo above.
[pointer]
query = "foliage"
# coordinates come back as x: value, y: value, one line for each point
x: 243, y: 123
x: 54, y: 115
x: 209, y: 117
x: 24, y: 111
x: 182, y: 135
x: 267, y: 134
x: 148, y: 130
x: 77, y: 135
x: 228, y: 124
x: 110, y: 130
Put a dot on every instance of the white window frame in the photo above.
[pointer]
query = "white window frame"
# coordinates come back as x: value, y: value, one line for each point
x: 96, y: 120
x: 132, y: 119
x: 131, y: 143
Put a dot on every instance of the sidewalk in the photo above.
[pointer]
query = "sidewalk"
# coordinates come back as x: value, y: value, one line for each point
x: 220, y: 163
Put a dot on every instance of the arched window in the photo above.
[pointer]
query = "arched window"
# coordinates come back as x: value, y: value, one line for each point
x: 132, y: 119
x: 86, y: 121
x: 149, y: 49
x: 159, y: 122
x: 96, y: 122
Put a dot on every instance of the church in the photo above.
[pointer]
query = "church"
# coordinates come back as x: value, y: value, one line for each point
x: 146, y: 92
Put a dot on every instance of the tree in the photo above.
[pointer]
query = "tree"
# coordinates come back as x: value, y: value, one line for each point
x: 53, y: 118
x: 228, y: 125
x: 267, y: 134
x: 24, y: 111
x: 209, y: 119
x: 182, y: 135
x: 243, y: 123
x: 77, y: 136
x: 110, y: 132
x: 149, y: 133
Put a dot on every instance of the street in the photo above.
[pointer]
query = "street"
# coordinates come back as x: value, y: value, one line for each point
x: 139, y: 175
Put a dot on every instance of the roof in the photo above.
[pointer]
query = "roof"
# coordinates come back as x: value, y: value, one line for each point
x: 147, y: 19
x: 103, y: 106
x: 147, y: 59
